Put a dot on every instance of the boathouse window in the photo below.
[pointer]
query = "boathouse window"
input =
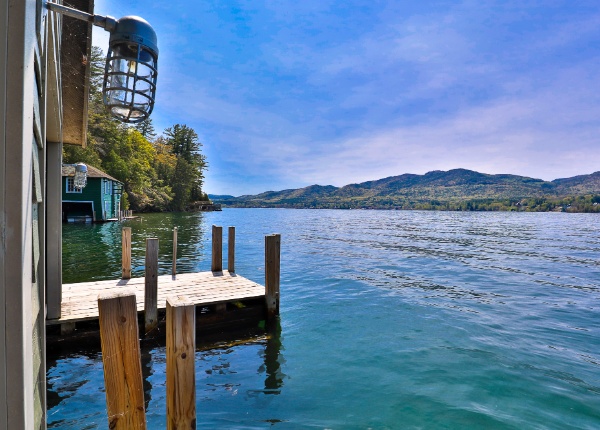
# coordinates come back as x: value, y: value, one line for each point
x: 71, y: 186
x: 107, y: 187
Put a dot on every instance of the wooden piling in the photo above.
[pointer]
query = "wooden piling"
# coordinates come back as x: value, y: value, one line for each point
x: 174, y: 269
x: 272, y: 273
x: 126, y: 253
x: 119, y: 339
x: 231, y: 250
x: 151, y: 284
x: 181, y: 347
x: 217, y: 249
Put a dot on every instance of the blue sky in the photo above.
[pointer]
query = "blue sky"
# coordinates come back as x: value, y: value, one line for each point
x: 285, y: 94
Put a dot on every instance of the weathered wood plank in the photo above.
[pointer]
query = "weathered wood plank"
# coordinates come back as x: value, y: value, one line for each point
x: 217, y: 249
x: 79, y: 301
x: 126, y: 252
x: 151, y: 284
x: 231, y: 250
x: 174, y: 269
x: 181, y: 374
x: 272, y: 273
x: 121, y: 361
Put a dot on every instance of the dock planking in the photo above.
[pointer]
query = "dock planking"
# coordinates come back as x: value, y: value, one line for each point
x: 80, y: 300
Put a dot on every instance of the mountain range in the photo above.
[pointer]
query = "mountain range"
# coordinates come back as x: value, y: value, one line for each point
x: 457, y: 189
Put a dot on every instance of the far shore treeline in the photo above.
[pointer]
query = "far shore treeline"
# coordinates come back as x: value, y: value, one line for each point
x: 454, y: 190
x: 159, y: 173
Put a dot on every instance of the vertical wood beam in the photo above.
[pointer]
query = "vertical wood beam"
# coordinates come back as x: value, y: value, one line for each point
x: 181, y: 372
x: 272, y: 274
x: 174, y: 268
x: 126, y: 253
x: 54, y: 231
x: 151, y: 284
x: 217, y: 249
x: 119, y: 337
x: 231, y: 250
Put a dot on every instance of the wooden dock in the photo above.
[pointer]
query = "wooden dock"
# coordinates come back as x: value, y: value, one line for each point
x: 125, y: 312
x: 80, y: 301
x: 223, y: 294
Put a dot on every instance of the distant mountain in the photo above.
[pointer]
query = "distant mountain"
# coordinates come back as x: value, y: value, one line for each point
x: 220, y: 197
x: 457, y: 189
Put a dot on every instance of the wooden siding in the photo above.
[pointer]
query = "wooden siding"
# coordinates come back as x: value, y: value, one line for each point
x: 22, y: 403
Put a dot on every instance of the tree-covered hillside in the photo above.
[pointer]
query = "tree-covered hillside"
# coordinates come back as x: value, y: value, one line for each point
x: 159, y: 173
x: 457, y: 189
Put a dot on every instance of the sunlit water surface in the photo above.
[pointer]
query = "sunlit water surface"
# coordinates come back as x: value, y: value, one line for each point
x: 409, y: 320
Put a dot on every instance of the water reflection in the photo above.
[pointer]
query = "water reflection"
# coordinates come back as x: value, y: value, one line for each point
x: 147, y: 372
x: 93, y: 251
x: 253, y: 367
x: 273, y: 359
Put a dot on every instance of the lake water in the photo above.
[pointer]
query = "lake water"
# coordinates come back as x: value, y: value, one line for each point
x: 389, y: 320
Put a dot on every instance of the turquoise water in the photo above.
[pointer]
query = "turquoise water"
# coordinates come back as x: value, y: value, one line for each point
x: 408, y: 320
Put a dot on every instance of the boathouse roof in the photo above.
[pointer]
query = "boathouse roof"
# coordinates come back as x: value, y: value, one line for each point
x: 69, y: 170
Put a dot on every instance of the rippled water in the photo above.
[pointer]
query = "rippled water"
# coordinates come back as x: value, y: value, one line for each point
x: 412, y: 320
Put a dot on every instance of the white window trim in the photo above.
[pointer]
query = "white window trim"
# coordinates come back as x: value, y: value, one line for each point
x: 71, y: 186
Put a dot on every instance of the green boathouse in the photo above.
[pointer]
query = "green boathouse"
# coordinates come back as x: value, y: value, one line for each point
x: 98, y: 201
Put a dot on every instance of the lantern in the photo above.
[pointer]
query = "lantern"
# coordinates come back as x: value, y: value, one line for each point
x: 129, y: 86
x: 80, y: 178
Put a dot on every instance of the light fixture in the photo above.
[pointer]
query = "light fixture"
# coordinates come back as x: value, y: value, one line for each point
x: 129, y: 87
x: 80, y: 179
x: 78, y: 172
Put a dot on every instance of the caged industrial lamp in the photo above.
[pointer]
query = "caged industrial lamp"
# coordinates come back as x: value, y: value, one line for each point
x: 78, y: 172
x: 80, y: 178
x: 129, y: 87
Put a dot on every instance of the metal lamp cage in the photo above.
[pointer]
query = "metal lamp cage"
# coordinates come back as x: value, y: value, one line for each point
x: 80, y: 178
x: 129, y: 87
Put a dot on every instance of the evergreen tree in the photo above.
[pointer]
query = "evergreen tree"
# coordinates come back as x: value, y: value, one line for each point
x: 190, y: 166
x: 146, y: 129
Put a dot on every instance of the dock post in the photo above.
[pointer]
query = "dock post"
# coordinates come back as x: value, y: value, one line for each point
x: 126, y: 253
x: 151, y: 284
x: 231, y: 250
x: 181, y: 373
x: 174, y: 269
x: 119, y: 337
x: 272, y: 274
x: 217, y: 249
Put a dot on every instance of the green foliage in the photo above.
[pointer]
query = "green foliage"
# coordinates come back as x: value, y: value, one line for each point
x: 158, y: 173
